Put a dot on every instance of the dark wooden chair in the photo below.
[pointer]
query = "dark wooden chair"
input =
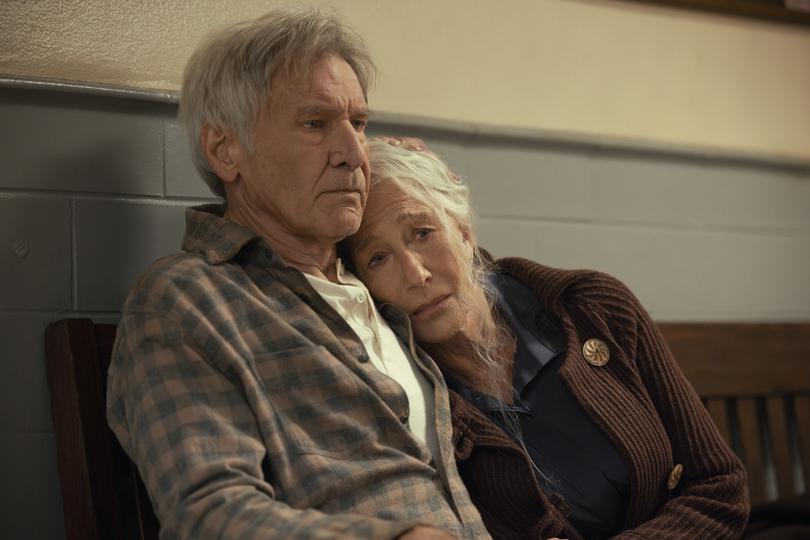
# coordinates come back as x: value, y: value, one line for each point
x: 102, y: 493
x: 755, y: 382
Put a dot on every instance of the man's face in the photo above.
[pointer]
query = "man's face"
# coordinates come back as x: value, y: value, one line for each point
x: 308, y: 173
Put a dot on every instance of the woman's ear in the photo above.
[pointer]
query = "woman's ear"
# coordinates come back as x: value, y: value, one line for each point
x: 467, y: 238
x: 222, y: 150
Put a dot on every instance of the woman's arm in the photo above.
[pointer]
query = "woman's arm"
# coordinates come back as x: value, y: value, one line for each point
x: 710, y: 499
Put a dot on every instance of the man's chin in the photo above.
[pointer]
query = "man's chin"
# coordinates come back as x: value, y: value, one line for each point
x: 345, y: 224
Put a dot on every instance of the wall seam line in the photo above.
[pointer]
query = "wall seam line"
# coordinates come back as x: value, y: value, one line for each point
x: 74, y: 258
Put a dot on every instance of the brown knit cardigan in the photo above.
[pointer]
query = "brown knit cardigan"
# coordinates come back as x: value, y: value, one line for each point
x: 639, y: 398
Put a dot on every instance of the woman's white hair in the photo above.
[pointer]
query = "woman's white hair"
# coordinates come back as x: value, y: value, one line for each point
x: 227, y: 79
x: 425, y: 177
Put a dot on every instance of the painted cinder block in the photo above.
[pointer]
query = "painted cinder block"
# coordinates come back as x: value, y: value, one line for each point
x: 702, y: 193
x: 529, y: 181
x: 115, y: 242
x: 453, y: 151
x: 69, y: 142
x: 182, y: 179
x: 25, y: 404
x: 35, y: 253
x: 682, y: 274
x: 30, y: 501
x: 502, y: 238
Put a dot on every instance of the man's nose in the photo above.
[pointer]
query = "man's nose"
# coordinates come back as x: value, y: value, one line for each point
x: 348, y: 146
x: 416, y: 274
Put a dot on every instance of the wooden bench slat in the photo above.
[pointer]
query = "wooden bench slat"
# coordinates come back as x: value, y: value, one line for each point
x: 741, y: 359
x: 752, y: 448
x: 801, y: 407
x: 780, y: 443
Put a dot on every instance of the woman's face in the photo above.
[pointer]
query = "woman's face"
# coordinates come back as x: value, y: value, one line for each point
x: 406, y: 257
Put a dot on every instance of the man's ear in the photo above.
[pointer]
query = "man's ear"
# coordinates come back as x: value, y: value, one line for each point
x: 222, y: 150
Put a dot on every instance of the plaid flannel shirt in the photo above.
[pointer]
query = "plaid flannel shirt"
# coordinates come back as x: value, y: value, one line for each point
x: 252, y: 411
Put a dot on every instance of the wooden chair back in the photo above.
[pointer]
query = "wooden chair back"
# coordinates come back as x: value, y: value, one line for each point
x: 102, y: 493
x: 754, y: 380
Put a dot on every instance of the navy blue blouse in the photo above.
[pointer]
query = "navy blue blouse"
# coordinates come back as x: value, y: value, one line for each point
x: 572, y: 456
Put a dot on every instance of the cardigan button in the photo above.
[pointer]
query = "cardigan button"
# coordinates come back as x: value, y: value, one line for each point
x: 596, y: 352
x: 674, y: 477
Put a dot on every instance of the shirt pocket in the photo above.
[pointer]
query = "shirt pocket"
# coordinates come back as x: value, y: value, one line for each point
x: 319, y: 400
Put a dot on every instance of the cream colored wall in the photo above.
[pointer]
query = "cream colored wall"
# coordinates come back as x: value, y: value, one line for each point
x: 586, y: 67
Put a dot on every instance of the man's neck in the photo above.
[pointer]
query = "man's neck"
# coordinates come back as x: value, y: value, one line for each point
x: 312, y: 256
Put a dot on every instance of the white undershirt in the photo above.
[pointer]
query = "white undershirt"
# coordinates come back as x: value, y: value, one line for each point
x: 350, y: 298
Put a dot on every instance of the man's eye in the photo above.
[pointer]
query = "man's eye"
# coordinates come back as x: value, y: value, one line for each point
x: 313, y: 124
x: 423, y: 233
x: 360, y: 124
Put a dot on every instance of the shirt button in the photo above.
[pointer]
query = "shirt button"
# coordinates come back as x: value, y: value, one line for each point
x: 596, y: 352
x: 360, y: 299
x: 363, y: 358
x: 674, y: 477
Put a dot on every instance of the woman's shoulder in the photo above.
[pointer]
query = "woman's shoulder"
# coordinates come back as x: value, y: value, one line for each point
x: 588, y: 298
x: 551, y: 284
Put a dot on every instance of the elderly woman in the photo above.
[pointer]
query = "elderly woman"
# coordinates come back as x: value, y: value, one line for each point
x: 571, y: 417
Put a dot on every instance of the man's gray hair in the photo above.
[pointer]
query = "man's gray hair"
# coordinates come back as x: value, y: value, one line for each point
x: 227, y: 79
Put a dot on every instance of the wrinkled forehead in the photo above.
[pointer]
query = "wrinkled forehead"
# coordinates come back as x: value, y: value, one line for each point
x: 389, y: 202
x: 300, y: 76
x: 388, y: 211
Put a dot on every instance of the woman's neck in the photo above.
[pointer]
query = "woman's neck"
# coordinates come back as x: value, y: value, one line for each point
x: 462, y: 360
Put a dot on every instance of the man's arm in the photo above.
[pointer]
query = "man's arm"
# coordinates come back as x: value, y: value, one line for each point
x: 186, y: 422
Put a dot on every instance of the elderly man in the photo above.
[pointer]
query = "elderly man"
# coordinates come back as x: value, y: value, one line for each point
x: 253, y: 381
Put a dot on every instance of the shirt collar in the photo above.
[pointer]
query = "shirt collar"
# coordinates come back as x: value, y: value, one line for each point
x: 209, y: 233
x: 539, y: 338
x: 343, y: 284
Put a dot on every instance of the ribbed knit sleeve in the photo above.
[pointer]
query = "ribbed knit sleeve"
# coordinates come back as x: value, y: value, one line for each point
x: 710, y: 500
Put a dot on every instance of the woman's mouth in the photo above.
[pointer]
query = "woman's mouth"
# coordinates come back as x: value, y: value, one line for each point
x: 426, y: 311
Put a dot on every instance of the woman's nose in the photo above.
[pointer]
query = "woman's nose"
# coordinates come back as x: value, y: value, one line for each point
x: 415, y: 271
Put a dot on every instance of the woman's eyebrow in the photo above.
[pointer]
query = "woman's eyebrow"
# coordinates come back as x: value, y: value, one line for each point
x: 362, y: 243
x: 415, y: 215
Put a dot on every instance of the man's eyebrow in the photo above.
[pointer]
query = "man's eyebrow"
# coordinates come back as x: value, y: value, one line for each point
x: 315, y: 108
x: 325, y: 107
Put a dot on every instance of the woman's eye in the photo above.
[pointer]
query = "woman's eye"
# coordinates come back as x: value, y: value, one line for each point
x: 423, y: 233
x: 376, y: 259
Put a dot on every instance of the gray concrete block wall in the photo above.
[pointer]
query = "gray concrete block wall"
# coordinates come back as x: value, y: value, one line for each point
x: 696, y: 239
x: 94, y: 188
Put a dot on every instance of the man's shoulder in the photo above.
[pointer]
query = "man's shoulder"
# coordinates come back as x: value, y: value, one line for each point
x: 181, y: 276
